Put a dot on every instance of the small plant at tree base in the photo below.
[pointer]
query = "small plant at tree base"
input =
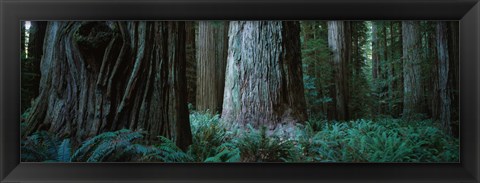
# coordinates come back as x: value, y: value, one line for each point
x: 256, y: 146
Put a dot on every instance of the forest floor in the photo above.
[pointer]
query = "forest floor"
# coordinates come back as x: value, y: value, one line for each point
x: 380, y: 140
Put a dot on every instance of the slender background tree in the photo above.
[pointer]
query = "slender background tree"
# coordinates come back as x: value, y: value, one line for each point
x: 211, y: 63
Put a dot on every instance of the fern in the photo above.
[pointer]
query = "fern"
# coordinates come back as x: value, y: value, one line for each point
x: 225, y: 153
x: 208, y: 134
x: 168, y: 152
x: 108, y: 146
x: 40, y: 146
x: 64, y: 151
x: 256, y: 146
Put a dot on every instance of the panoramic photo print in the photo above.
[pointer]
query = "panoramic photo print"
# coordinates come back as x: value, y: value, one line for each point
x: 240, y: 91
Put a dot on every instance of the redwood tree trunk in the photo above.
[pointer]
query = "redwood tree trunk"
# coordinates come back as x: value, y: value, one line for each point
x: 435, y: 98
x: 211, y: 62
x: 191, y: 70
x: 454, y: 79
x: 443, y: 73
x: 412, y: 98
x: 264, y: 74
x: 103, y: 76
x: 337, y: 42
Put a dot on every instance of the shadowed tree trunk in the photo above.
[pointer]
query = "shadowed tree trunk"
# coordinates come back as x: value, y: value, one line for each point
x: 22, y: 39
x: 103, y: 76
x: 264, y: 74
x: 211, y: 63
x: 454, y: 80
x: 435, y: 98
x: 443, y: 73
x: 337, y: 42
x: 412, y: 99
x: 35, y: 40
x: 191, y: 70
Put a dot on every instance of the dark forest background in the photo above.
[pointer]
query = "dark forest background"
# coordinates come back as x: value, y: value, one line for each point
x: 240, y: 91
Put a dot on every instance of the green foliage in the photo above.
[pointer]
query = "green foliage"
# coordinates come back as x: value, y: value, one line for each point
x: 256, y: 146
x: 207, y: 133
x: 383, y: 140
x: 40, y: 146
x: 167, y: 152
x: 109, y: 146
x: 225, y: 153
x: 64, y: 151
x: 211, y: 139
x: 386, y: 140
x: 317, y: 70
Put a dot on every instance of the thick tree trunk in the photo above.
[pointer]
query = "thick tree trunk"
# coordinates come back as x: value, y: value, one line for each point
x: 412, y: 99
x: 103, y: 76
x: 443, y: 73
x: 454, y: 80
x: 337, y: 43
x: 191, y: 70
x: 264, y: 84
x: 434, y: 98
x: 211, y: 62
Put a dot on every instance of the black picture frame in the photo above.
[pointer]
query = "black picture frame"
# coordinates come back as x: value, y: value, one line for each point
x: 13, y: 11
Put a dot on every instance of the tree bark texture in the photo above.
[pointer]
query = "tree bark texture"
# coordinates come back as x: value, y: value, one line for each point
x: 211, y: 64
x: 412, y: 99
x: 264, y: 85
x: 191, y: 70
x: 104, y: 76
x: 443, y: 73
x: 337, y: 43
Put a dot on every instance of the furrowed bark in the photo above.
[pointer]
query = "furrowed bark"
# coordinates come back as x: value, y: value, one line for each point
x: 191, y: 71
x: 337, y: 43
x: 211, y: 64
x: 104, y: 76
x: 443, y: 74
x: 412, y: 100
x: 264, y: 85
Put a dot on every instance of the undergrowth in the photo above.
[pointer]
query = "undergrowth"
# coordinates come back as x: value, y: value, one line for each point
x: 382, y: 140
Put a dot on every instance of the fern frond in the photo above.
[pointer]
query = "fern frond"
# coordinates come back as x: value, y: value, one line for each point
x: 64, y: 151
